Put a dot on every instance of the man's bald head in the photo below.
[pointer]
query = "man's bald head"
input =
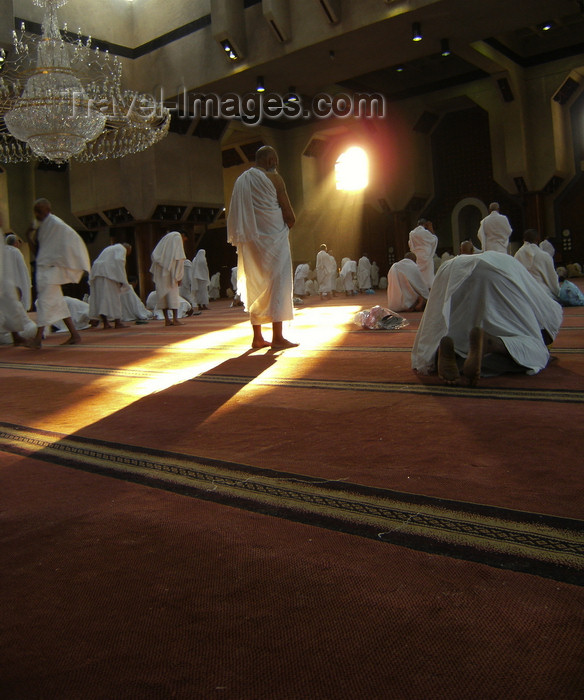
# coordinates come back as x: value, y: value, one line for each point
x: 466, y: 248
x: 494, y: 206
x: 42, y: 208
x: 531, y: 236
x: 267, y: 158
x: 410, y: 256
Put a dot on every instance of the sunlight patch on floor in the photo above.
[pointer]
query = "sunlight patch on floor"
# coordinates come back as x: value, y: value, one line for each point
x: 312, y: 328
x: 106, y: 395
x: 184, y: 360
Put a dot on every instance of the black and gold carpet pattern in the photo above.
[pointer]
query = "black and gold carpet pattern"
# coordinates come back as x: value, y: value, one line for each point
x: 526, y: 542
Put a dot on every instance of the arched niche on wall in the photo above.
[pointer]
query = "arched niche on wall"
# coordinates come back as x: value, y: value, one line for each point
x: 465, y: 219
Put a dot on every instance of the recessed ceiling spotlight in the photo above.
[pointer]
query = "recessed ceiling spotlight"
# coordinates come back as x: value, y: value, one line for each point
x: 229, y: 50
x: 444, y: 47
x: 416, y: 31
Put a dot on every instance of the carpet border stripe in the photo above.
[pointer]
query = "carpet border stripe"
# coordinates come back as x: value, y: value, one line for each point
x: 531, y: 543
x: 493, y: 393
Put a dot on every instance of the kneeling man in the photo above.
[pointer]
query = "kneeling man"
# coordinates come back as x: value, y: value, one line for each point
x: 486, y: 313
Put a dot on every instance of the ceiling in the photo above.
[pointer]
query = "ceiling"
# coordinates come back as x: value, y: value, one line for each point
x: 486, y: 37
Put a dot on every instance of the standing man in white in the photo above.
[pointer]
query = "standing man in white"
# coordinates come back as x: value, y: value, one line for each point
x: 259, y: 221
x: 494, y: 230
x: 364, y: 273
x: 423, y: 243
x: 200, y: 280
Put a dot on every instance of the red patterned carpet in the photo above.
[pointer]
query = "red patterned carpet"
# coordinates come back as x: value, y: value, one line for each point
x: 183, y: 517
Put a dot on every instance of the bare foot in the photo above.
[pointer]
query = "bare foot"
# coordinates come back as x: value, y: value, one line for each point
x: 73, y: 340
x: 447, y: 368
x: 282, y: 344
x: 472, y: 365
x: 106, y: 326
x: 119, y: 324
x: 33, y: 344
x: 168, y: 323
x: 177, y: 323
x: 257, y: 344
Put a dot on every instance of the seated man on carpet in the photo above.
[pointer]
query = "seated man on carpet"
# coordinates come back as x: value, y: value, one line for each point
x: 406, y: 288
x: 570, y: 294
x: 487, y: 315
x: 538, y: 263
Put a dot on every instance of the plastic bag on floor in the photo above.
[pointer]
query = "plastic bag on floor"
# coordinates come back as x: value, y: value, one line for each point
x: 380, y: 318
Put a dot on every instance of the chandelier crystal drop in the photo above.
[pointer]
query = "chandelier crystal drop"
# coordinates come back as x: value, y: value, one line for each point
x: 61, y: 99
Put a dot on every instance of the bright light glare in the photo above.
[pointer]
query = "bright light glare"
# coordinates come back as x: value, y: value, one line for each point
x: 173, y: 364
x: 352, y: 170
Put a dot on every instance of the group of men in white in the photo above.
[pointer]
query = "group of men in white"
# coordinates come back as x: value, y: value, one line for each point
x: 182, y: 287
x: 329, y: 279
x: 485, y: 312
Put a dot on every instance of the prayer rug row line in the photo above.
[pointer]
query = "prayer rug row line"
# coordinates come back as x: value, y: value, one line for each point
x: 497, y: 393
x: 530, y: 543
x: 303, y: 350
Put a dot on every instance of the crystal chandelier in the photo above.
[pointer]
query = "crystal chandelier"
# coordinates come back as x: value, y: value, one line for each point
x: 61, y: 99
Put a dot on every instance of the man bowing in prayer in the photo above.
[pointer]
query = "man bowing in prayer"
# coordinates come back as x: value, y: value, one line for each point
x: 62, y: 258
x: 108, y: 279
x: 485, y: 315
x: 260, y: 217
x: 406, y: 290
x: 168, y: 264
